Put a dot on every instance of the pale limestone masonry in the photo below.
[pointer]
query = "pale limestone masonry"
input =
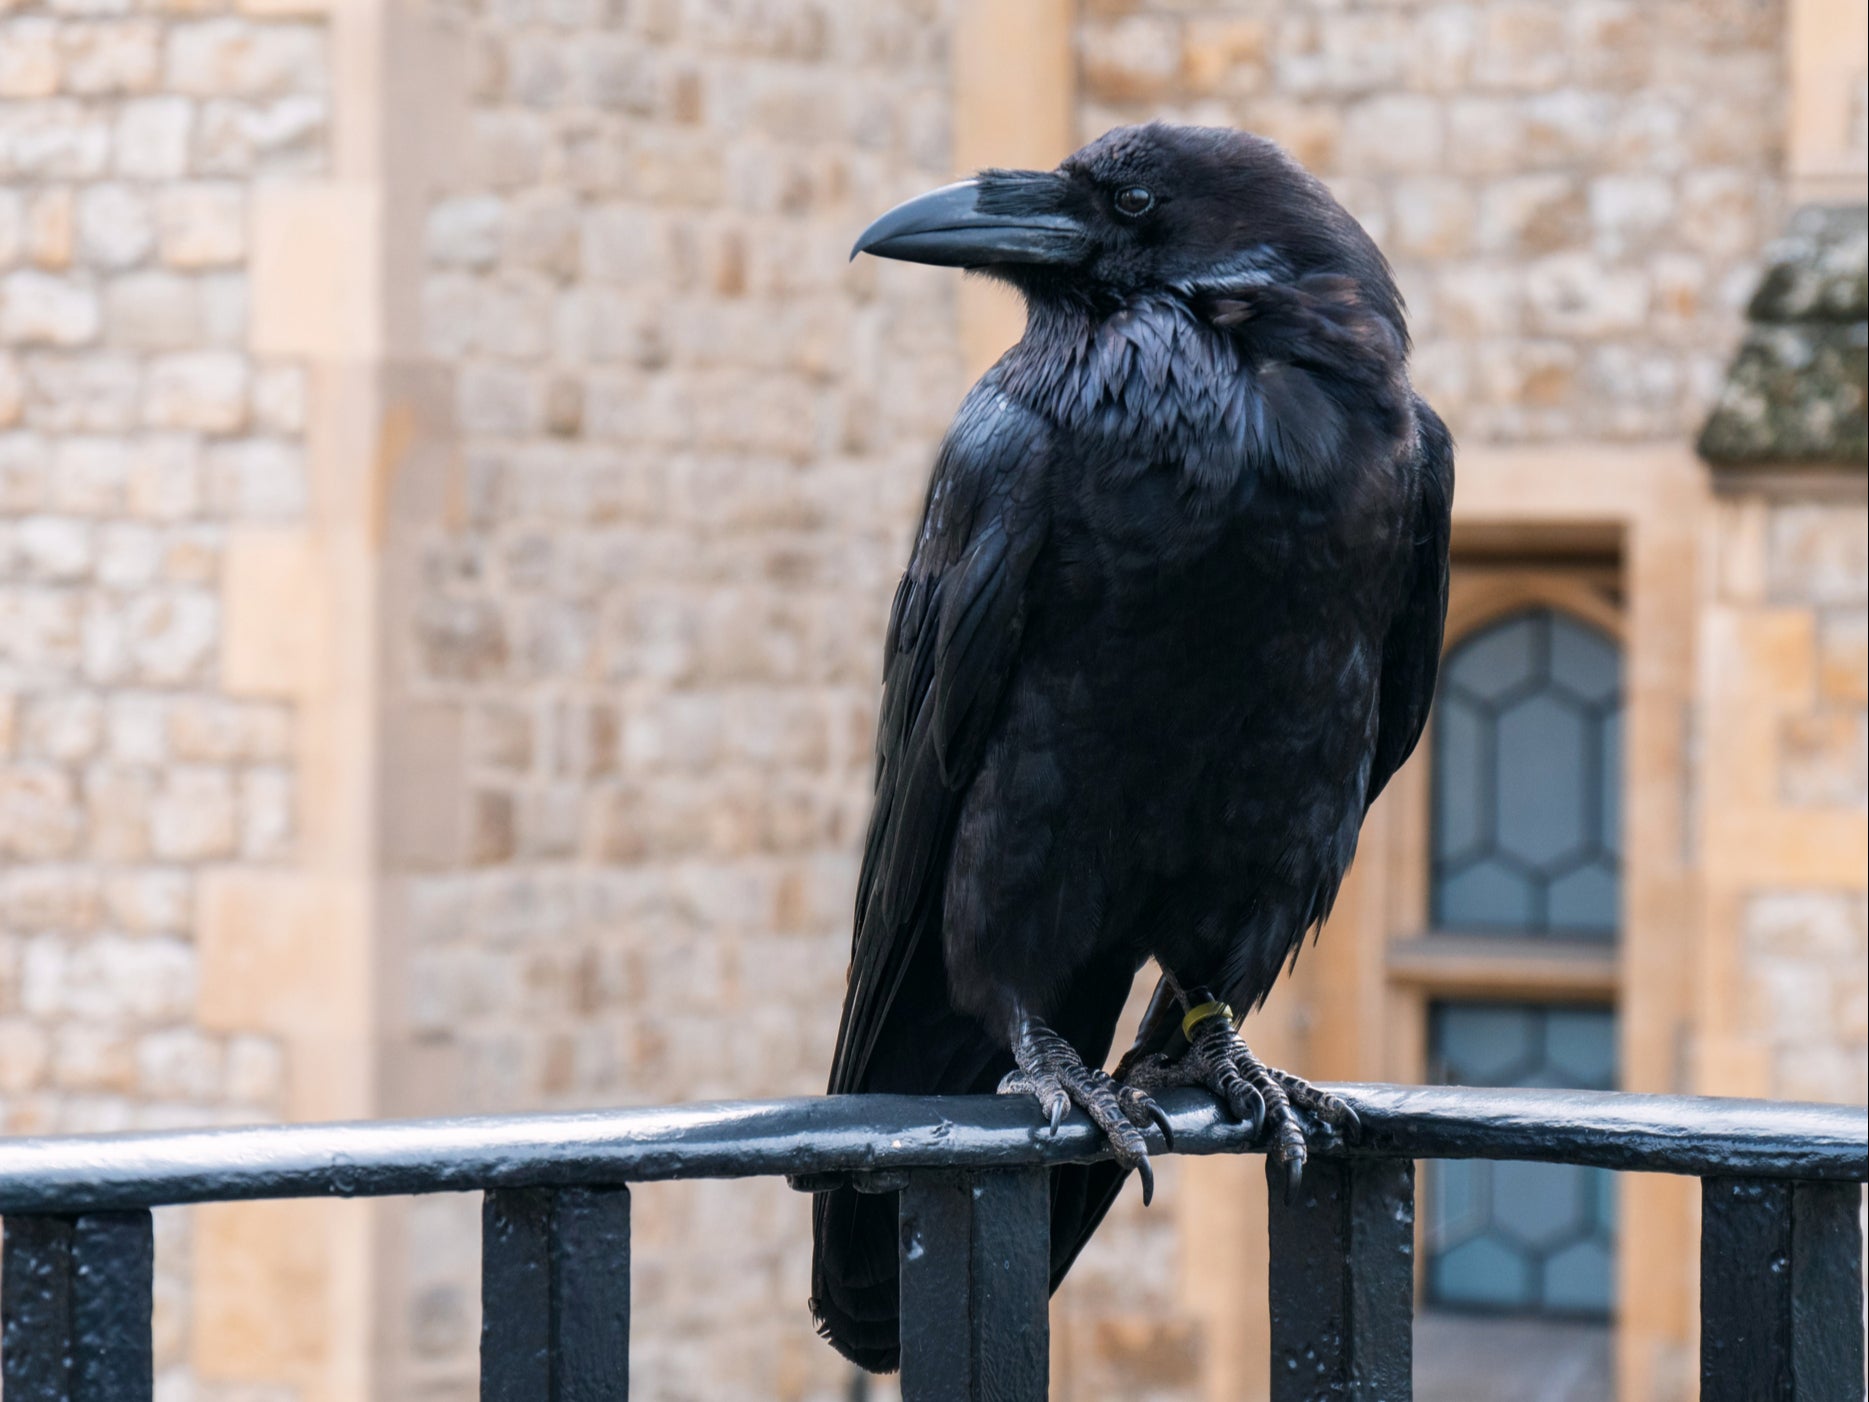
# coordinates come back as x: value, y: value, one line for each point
x: 452, y: 483
x: 635, y: 635
x: 137, y: 431
x: 1788, y: 626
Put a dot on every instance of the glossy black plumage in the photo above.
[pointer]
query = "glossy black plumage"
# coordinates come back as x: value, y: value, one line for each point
x: 1171, y: 622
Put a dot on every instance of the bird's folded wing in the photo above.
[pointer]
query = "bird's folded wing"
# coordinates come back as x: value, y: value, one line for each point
x: 1411, y: 654
x: 954, y: 638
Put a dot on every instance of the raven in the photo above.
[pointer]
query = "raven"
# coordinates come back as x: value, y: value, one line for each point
x: 1171, y: 621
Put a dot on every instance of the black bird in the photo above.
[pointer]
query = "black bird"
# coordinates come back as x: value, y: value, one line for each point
x: 1171, y: 622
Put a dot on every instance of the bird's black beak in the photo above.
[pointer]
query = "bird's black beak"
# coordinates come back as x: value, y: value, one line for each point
x: 1001, y: 217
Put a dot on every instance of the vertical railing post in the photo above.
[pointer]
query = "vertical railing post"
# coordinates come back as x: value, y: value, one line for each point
x: 75, y: 1300
x: 1781, y: 1292
x: 1342, y: 1281
x: 554, y: 1292
x: 976, y: 1286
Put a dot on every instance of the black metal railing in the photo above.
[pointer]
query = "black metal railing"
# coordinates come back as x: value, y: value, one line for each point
x: 1781, y: 1240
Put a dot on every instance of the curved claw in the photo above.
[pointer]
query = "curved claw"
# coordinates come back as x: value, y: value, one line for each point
x: 1059, y: 1106
x: 1248, y: 1108
x: 1159, y: 1118
x: 1147, y: 1174
x: 1294, y: 1179
x: 1352, y: 1127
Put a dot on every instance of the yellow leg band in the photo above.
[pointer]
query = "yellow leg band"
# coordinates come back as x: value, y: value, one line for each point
x: 1199, y: 1013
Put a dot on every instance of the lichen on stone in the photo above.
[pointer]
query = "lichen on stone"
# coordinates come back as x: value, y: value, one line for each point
x: 1798, y: 389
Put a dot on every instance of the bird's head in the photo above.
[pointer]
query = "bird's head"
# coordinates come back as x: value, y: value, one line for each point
x: 1148, y: 209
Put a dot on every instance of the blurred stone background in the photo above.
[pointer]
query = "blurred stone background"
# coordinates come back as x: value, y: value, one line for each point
x: 451, y: 487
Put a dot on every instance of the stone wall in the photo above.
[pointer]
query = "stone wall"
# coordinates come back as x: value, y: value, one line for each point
x: 1788, y: 749
x: 136, y: 432
x: 637, y: 465
x: 1574, y: 215
x: 637, y: 644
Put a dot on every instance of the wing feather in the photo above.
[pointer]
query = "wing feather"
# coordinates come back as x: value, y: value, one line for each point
x: 1411, y: 653
x: 953, y: 640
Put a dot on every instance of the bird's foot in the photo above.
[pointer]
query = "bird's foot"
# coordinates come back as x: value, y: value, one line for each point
x: 1259, y: 1096
x: 1051, y: 1070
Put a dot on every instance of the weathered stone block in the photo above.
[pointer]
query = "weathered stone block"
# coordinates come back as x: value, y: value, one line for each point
x: 44, y: 898
x: 171, y: 634
x: 461, y: 640
x: 118, y: 806
x: 114, y: 226
x: 1824, y: 759
x: 262, y: 1284
x: 226, y: 57
x: 29, y: 63
x: 255, y: 479
x: 193, y: 817
x: 277, y: 136
x: 25, y: 1053
x: 202, y: 225
x: 1133, y: 59
x: 64, y: 728
x: 205, y: 390
x: 465, y: 231
x: 1522, y: 46
x: 1533, y: 214
x: 1433, y: 218
x: 39, y: 308
x: 149, y: 901
x: 268, y: 825
x: 150, y: 140
x: 152, y: 311
x: 40, y: 818
x: 110, y: 57
x: 1395, y: 133
x: 180, y: 1064
x: 56, y: 549
x: 1819, y: 554
x: 1573, y: 294
x: 273, y: 644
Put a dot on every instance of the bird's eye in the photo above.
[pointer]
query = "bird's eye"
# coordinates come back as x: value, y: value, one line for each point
x: 1135, y: 201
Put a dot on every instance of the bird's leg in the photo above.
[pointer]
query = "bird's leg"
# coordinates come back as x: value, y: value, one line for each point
x: 1051, y: 1070
x: 1258, y: 1095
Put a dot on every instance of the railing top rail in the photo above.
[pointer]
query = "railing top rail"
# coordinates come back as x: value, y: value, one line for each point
x: 885, y: 1133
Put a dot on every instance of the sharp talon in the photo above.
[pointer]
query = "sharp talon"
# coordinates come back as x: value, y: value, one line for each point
x: 1294, y: 1178
x: 1147, y: 1174
x: 1247, y: 1106
x: 1352, y: 1127
x: 1159, y: 1117
x: 1058, y: 1107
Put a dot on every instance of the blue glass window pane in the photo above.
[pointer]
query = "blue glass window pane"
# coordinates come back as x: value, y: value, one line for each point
x: 1485, y: 1272
x: 1527, y: 780
x: 1457, y: 1194
x: 1483, y: 1044
x: 1581, y: 904
x: 1610, y: 796
x: 1580, y: 1045
x: 1584, y: 662
x: 1539, y: 1205
x: 1491, y: 663
x: 1521, y: 1237
x: 1486, y: 896
x: 1578, y: 1279
x: 1461, y: 737
x: 1542, y: 818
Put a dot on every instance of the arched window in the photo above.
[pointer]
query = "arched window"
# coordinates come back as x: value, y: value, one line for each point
x: 1527, y: 743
